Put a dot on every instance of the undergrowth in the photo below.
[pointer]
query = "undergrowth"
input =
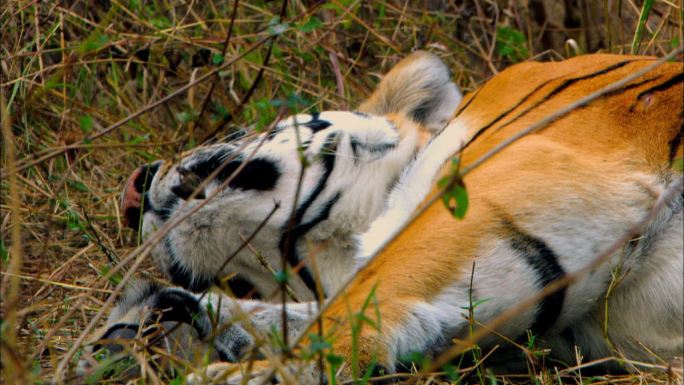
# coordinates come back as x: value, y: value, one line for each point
x: 76, y: 74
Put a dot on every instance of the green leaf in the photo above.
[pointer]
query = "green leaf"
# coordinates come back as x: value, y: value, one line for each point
x: 275, y: 27
x: 414, y: 357
x: 317, y: 344
x: 351, y: 5
x: 187, y: 116
x: 210, y: 309
x: 334, y: 360
x: 455, y: 196
x: 160, y: 22
x: 643, y: 18
x: 55, y: 84
x: 492, y: 378
x: 277, y: 52
x: 312, y: 24
x: 452, y: 373
x: 281, y: 277
x: 476, y: 303
x: 217, y: 59
x: 511, y: 44
x: 531, y: 340
x: 139, y: 139
x: 94, y: 42
x: 456, y: 200
x: 109, y: 367
x: 76, y: 185
x: 306, y: 56
x: 4, y: 251
x: 221, y: 111
x: 115, y: 279
x: 678, y: 164
x: 261, y: 112
x: 86, y: 123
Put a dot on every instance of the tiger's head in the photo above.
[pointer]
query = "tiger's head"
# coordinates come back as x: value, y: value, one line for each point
x: 309, y: 185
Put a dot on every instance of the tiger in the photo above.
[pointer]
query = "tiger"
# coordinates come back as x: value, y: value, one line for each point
x: 353, y: 159
x: 540, y: 208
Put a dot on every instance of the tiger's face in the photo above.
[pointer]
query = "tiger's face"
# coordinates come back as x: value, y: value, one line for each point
x: 309, y: 185
x: 311, y: 168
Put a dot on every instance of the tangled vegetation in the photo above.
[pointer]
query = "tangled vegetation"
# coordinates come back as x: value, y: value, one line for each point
x: 92, y: 89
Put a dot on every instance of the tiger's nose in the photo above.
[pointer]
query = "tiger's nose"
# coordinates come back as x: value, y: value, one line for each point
x: 132, y: 197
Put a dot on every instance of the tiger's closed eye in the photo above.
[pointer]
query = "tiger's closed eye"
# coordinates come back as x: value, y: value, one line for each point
x: 189, y: 182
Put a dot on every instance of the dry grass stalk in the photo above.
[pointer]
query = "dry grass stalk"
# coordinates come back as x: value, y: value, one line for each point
x: 90, y: 91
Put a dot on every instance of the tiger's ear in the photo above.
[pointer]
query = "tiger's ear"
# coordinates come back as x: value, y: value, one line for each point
x: 418, y: 87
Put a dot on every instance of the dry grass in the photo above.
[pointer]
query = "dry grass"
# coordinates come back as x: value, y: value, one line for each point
x: 73, y: 71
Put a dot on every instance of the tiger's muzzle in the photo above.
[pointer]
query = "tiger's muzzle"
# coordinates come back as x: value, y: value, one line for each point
x: 132, y: 198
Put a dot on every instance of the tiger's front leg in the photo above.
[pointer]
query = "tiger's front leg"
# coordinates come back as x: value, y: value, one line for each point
x: 190, y: 325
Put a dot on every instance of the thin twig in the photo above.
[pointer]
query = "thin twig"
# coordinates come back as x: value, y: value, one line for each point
x: 223, y: 55
x: 149, y: 107
x: 289, y: 241
x: 10, y: 284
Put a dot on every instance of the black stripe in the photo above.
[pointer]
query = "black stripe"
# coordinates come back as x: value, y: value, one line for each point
x: 258, y: 174
x: 243, y: 288
x: 565, y: 84
x: 145, y: 290
x: 205, y: 162
x: 328, y: 153
x: 553, y: 92
x: 675, y: 144
x: 180, y: 306
x: 545, y: 263
x: 568, y: 82
x: 569, y: 336
x: 374, y: 149
x: 289, y: 238
x: 679, y: 78
x: 630, y: 86
x: 141, y: 184
x: 477, y: 91
x: 505, y: 113
x: 181, y: 275
x: 316, y: 124
x: 299, y: 231
x: 144, y: 180
x: 116, y: 331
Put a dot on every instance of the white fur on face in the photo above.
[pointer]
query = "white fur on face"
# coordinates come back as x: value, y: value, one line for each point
x: 352, y: 160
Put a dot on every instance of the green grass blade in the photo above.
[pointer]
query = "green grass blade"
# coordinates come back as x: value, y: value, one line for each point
x: 643, y: 17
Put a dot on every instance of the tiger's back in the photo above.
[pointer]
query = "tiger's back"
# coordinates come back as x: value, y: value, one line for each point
x: 547, y: 205
x: 643, y: 116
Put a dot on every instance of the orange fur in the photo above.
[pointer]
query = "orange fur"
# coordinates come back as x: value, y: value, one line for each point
x: 615, y: 136
x: 575, y: 168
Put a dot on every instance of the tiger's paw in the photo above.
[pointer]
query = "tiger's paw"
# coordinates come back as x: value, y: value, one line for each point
x: 256, y: 372
x: 225, y: 373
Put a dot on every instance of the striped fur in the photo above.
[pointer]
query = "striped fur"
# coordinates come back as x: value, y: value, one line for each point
x: 545, y: 206
x: 353, y: 158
